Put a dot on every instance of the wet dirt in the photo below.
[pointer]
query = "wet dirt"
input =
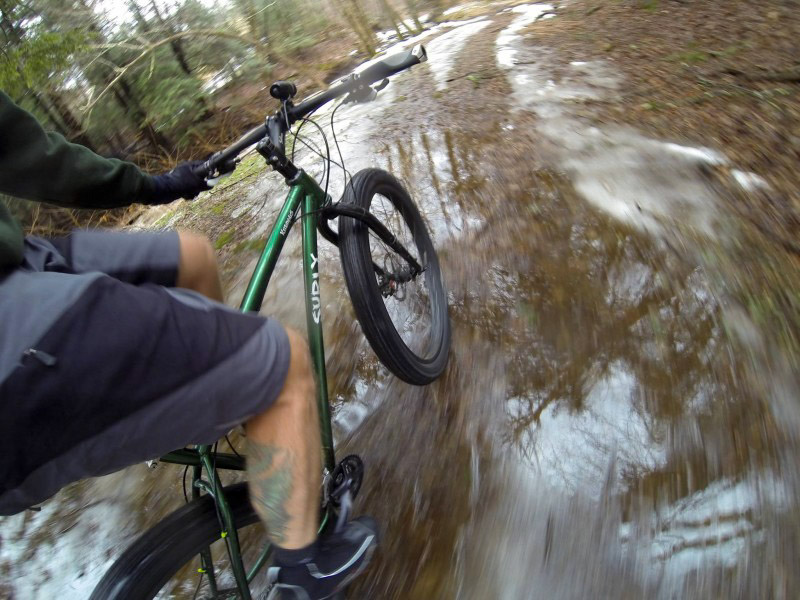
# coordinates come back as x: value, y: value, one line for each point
x: 613, y: 422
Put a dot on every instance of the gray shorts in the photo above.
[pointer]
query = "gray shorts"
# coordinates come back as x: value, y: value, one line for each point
x: 104, y: 364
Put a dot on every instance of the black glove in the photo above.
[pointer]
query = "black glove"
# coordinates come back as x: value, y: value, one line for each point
x: 181, y: 182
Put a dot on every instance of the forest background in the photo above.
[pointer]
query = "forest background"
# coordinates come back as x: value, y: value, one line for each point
x: 162, y: 81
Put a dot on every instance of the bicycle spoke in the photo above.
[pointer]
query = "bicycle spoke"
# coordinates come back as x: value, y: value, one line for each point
x: 215, y: 579
x: 408, y: 303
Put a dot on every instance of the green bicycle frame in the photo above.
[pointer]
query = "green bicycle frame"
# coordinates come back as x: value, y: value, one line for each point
x: 304, y: 191
x: 305, y: 196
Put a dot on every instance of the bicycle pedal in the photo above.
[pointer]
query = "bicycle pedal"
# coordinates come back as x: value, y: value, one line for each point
x: 347, y: 475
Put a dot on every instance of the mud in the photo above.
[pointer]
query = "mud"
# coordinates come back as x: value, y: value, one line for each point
x: 613, y: 422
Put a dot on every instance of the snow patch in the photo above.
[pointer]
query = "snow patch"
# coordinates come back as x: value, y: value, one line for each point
x: 63, y: 550
x: 443, y: 50
x: 705, y: 155
x: 711, y: 526
x: 505, y: 41
x: 648, y: 183
x: 750, y: 181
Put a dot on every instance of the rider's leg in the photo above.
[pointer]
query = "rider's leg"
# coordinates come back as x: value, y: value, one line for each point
x: 208, y: 368
x: 284, y: 456
x: 283, y: 468
x: 198, y: 269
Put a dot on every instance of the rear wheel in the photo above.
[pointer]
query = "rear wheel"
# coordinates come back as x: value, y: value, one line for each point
x: 164, y: 562
x: 403, y: 314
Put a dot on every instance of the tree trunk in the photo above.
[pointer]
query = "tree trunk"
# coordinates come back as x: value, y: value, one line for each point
x: 394, y: 18
x: 360, y: 16
x: 122, y: 89
x: 73, y: 125
x: 248, y: 12
x: 54, y: 104
x: 177, y: 50
x: 134, y: 109
x: 177, y: 47
x: 116, y: 144
x: 437, y: 9
x: 138, y: 15
x: 43, y: 106
x: 355, y: 17
x: 412, y: 8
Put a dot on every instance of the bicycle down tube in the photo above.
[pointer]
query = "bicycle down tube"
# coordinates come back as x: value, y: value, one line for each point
x: 305, y: 195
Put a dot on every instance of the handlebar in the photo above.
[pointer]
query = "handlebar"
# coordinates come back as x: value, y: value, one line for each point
x: 393, y: 64
x: 277, y: 125
x: 223, y: 162
x: 372, y: 74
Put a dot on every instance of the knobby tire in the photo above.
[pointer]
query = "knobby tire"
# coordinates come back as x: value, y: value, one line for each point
x: 415, y: 367
x: 147, y: 565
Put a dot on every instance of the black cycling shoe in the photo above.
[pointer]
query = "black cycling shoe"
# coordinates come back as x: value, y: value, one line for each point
x: 341, y: 557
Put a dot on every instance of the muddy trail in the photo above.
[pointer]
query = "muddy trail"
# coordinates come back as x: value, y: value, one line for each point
x: 614, y: 422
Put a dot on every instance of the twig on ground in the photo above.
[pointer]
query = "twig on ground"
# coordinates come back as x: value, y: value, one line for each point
x: 482, y: 74
x: 787, y: 76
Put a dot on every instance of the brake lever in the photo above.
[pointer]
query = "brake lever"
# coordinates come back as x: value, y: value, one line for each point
x: 361, y: 95
x: 365, y: 94
x: 213, y: 181
x: 223, y: 171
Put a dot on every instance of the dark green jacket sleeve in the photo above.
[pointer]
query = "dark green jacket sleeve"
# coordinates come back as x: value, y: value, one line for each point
x: 37, y: 165
x: 10, y: 240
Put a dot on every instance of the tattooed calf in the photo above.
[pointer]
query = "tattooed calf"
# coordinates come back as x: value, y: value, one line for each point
x: 269, y: 470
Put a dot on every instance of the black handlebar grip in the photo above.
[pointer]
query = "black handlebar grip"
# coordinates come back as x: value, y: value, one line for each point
x: 393, y: 64
x: 202, y: 170
x: 214, y: 166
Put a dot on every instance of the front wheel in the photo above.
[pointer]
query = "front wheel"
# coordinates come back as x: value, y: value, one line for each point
x: 403, y: 314
x: 164, y: 563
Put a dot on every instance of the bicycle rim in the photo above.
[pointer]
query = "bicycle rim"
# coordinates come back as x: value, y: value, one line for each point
x: 408, y: 304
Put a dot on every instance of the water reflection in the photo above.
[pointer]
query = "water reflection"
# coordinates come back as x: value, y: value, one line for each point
x: 593, y: 415
x: 596, y: 434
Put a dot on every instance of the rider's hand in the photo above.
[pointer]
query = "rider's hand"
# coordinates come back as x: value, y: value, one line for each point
x: 181, y: 182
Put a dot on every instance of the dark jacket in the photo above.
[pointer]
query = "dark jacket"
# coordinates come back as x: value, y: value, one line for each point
x: 37, y: 165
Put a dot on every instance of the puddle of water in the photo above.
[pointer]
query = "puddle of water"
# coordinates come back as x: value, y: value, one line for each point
x: 576, y: 451
x: 594, y: 434
x: 616, y: 400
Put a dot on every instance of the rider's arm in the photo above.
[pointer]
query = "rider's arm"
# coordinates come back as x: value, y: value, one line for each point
x: 37, y: 165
